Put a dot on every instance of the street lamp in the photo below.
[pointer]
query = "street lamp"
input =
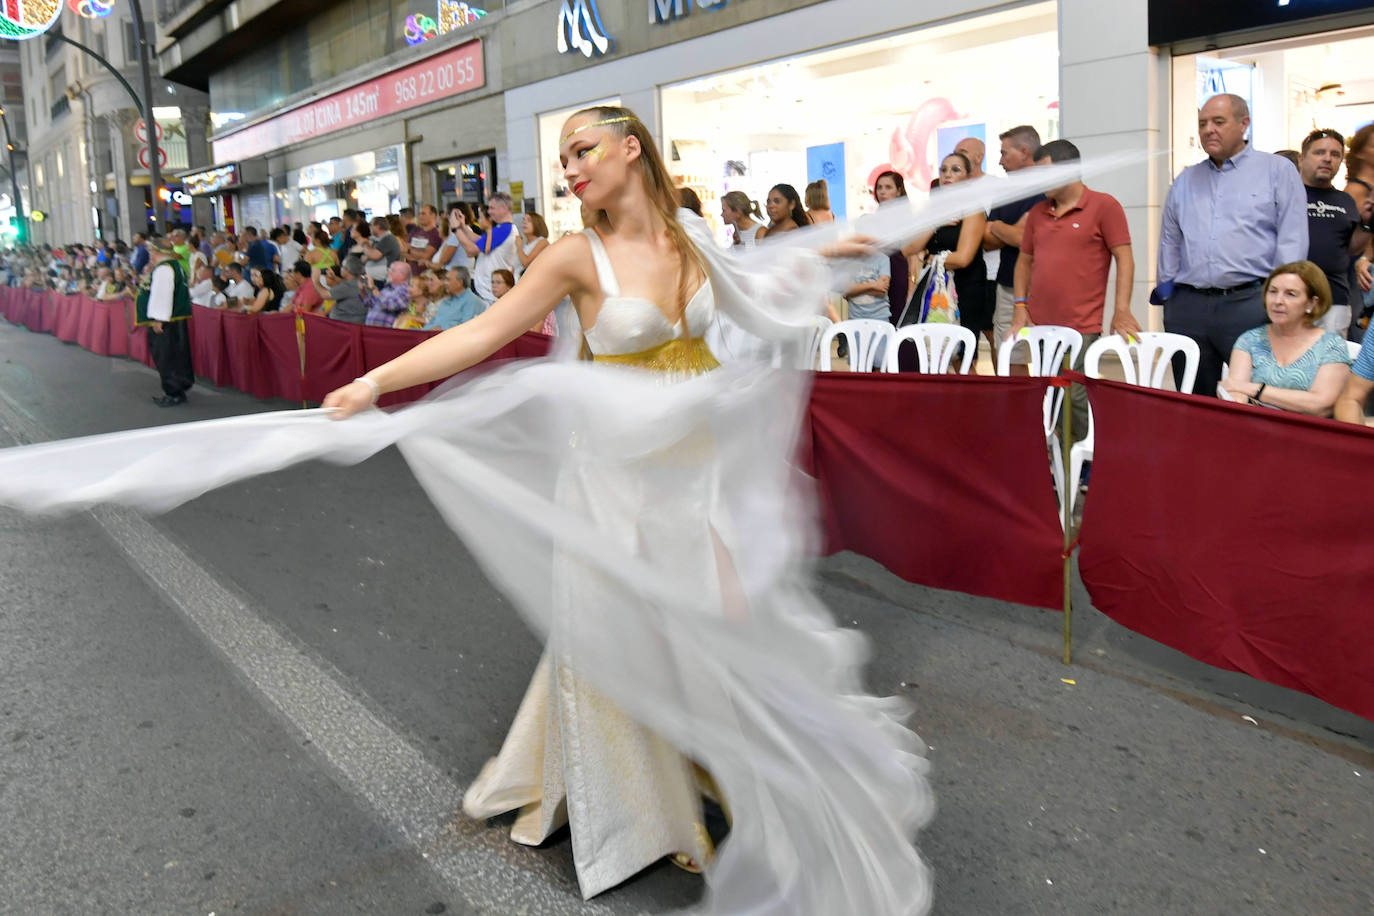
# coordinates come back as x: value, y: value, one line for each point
x: 14, y: 26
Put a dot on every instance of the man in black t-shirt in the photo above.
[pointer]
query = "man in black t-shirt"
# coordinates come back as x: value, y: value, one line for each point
x: 1003, y: 233
x: 1336, y: 229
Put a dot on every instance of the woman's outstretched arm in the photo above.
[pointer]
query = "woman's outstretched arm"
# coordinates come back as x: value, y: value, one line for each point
x: 556, y: 274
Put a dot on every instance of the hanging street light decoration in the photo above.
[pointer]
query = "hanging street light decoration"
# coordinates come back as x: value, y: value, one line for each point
x: 24, y: 19
x: 91, y: 9
x: 420, y: 27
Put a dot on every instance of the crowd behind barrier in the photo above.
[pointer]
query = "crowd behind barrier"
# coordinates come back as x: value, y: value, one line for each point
x: 1257, y: 566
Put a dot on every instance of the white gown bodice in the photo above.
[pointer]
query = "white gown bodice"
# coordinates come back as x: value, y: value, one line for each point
x: 627, y: 324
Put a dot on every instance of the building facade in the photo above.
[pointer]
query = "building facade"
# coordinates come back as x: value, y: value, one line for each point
x: 380, y: 106
x: 88, y: 165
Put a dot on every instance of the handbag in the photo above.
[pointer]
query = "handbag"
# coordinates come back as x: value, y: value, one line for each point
x: 935, y: 299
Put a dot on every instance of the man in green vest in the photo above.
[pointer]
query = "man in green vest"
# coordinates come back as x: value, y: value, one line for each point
x: 164, y: 306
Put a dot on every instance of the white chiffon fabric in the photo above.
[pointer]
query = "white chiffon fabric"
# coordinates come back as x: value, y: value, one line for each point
x: 658, y: 537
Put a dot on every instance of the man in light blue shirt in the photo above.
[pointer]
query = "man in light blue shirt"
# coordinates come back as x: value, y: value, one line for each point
x: 1228, y: 221
x: 1358, y: 387
x: 461, y: 304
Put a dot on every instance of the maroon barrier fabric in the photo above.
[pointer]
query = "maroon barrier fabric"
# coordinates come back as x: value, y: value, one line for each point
x: 381, y: 345
x: 1238, y: 535
x: 138, y: 347
x: 66, y: 325
x: 333, y: 355
x: 116, y: 313
x: 8, y: 295
x: 945, y: 480
x: 95, y: 326
x: 531, y: 346
x: 243, y: 356
x: 47, y: 306
x: 280, y: 355
x: 207, y: 345
x: 31, y: 314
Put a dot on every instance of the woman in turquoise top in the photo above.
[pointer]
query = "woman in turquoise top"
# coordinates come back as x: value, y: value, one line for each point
x: 1290, y: 363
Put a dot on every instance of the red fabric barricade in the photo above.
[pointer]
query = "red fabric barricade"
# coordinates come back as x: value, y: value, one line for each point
x: 280, y: 355
x: 243, y: 356
x: 382, y: 345
x: 31, y: 312
x: 138, y: 346
x: 1238, y: 535
x: 47, y: 310
x: 333, y: 355
x: 66, y: 325
x: 8, y: 296
x: 945, y: 480
x: 28, y: 311
x: 116, y: 313
x: 207, y: 345
x: 94, y: 334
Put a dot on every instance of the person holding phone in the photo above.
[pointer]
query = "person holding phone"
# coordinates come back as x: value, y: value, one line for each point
x: 497, y: 248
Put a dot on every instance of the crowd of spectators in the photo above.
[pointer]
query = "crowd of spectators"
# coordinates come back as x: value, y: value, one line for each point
x: 1263, y: 263
x: 410, y: 270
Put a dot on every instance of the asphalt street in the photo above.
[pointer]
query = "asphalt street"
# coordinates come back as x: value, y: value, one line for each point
x: 270, y: 700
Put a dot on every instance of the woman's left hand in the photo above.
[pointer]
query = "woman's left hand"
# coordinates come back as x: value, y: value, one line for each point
x: 856, y: 246
x: 1241, y: 391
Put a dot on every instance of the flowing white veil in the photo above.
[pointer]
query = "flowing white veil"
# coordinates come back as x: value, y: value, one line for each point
x: 824, y: 782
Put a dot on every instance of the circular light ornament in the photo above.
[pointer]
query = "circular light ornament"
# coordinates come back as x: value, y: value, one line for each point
x: 24, y: 19
x: 420, y: 28
x: 91, y: 9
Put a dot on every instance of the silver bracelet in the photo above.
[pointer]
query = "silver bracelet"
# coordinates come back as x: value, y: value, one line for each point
x: 371, y: 383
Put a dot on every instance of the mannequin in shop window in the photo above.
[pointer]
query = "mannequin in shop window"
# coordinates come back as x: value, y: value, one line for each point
x: 785, y: 211
x: 741, y: 213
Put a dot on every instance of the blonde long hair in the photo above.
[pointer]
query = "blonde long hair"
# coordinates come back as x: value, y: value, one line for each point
x: 662, y: 193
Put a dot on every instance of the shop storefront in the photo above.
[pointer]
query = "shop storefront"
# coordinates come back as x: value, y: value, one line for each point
x: 373, y: 181
x: 223, y: 186
x: 470, y: 178
x: 1299, y: 65
x: 839, y: 97
x: 350, y: 148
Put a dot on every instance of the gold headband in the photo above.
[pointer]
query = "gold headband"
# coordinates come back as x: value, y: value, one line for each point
x: 608, y: 121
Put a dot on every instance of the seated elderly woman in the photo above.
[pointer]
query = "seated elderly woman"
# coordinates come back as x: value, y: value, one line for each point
x: 1291, y: 363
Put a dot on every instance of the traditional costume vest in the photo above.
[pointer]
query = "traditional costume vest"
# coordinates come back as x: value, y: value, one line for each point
x: 181, y: 294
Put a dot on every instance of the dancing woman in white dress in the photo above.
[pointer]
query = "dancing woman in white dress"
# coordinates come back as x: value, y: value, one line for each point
x: 641, y: 511
x: 643, y: 293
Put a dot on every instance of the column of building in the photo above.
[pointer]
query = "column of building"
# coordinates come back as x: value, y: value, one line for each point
x: 1114, y: 96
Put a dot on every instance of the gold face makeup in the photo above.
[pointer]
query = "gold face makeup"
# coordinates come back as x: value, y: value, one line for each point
x: 593, y: 155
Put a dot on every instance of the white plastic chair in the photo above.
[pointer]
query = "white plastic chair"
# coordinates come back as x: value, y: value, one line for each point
x: 1048, y: 344
x: 1147, y: 361
x: 803, y: 354
x: 936, y: 345
x: 1222, y: 393
x: 863, y: 336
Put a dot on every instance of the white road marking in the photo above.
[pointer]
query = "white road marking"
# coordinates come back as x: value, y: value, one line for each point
x: 370, y: 757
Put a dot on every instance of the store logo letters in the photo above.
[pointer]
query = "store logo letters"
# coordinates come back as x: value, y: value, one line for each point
x: 666, y: 10
x: 580, y: 29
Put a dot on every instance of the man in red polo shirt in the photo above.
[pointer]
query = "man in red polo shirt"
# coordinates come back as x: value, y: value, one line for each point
x: 1067, y: 249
